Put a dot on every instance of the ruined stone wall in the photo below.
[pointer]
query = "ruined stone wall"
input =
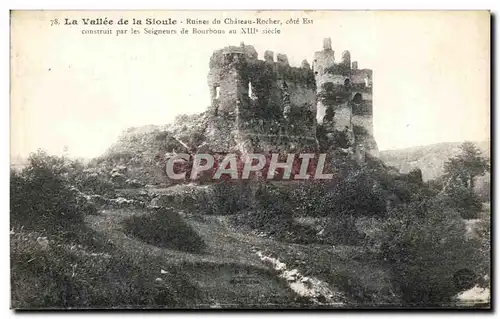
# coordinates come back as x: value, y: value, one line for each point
x: 267, y: 104
x: 347, y: 91
x: 266, y: 98
x: 225, y: 79
x: 332, y: 80
x: 362, y: 106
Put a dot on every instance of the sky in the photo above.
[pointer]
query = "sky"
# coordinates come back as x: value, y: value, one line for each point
x: 431, y: 80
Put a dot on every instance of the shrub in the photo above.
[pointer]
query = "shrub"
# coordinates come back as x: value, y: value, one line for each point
x: 311, y: 199
x: 92, y: 183
x: 483, y: 232
x: 40, y: 198
x: 435, y: 185
x: 465, y: 201
x: 356, y: 192
x: 483, y: 188
x: 424, y: 245
x: 55, y: 193
x: 225, y: 197
x: 165, y: 228
x: 342, y: 230
x: 272, y: 215
x: 58, y: 262
x: 273, y: 198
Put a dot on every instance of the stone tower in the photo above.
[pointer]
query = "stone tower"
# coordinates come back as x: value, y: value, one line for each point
x: 347, y: 92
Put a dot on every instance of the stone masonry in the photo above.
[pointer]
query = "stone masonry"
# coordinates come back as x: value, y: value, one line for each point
x: 267, y: 105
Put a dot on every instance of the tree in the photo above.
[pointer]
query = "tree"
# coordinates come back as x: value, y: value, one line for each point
x: 460, y: 172
x: 464, y: 167
x: 430, y: 259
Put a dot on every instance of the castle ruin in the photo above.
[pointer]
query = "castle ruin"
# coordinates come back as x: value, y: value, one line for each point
x: 268, y: 105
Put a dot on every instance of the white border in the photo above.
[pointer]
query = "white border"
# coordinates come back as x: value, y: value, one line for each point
x: 258, y: 4
x: 492, y: 5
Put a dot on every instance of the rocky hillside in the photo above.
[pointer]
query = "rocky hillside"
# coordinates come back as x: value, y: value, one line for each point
x: 141, y: 151
x: 429, y: 158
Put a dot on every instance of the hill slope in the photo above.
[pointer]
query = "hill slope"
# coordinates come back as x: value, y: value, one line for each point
x: 429, y: 158
x: 142, y: 150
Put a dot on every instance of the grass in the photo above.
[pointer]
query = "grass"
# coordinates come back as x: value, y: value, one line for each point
x: 234, y: 285
x: 60, y: 275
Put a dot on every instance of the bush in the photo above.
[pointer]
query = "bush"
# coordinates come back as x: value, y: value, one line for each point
x: 483, y: 188
x: 225, y: 197
x: 465, y: 201
x: 55, y: 193
x: 372, y: 292
x: 424, y: 245
x: 272, y: 215
x: 40, y: 197
x: 311, y: 199
x: 164, y: 228
x: 483, y: 233
x: 342, y: 230
x: 273, y: 198
x: 357, y: 193
x: 92, y: 183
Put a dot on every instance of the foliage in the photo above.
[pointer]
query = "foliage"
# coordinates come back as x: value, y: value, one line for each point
x: 435, y: 185
x: 58, y: 262
x: 483, y: 232
x: 190, y: 129
x: 424, y: 245
x: 464, y: 200
x: 360, y: 131
x: 342, y: 230
x: 355, y: 192
x: 482, y: 188
x: 464, y: 167
x: 54, y: 192
x: 59, y: 275
x: 225, y: 197
x: 40, y: 197
x: 271, y: 214
x: 457, y: 182
x: 331, y: 96
x: 164, y: 228
x: 273, y: 198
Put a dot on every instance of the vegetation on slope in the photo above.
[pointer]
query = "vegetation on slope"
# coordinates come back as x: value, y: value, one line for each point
x: 164, y: 228
x: 415, y: 231
x: 429, y: 158
x: 58, y: 261
x: 412, y: 232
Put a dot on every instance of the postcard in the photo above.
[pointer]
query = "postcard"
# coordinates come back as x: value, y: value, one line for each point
x: 250, y: 160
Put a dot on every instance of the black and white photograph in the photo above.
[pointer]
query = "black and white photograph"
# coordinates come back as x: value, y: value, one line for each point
x: 260, y: 160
